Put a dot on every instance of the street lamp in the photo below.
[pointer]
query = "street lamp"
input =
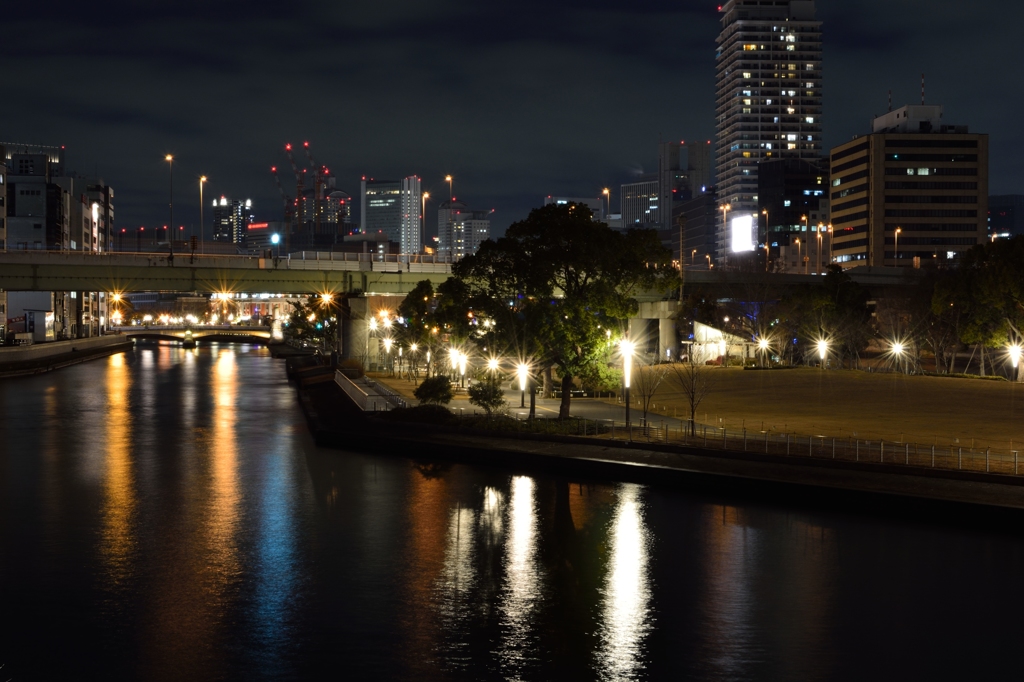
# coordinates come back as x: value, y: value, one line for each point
x: 202, y: 181
x: 423, y: 217
x: 627, y: 349
x: 1015, y: 352
x: 762, y: 346
x: 725, y: 221
x: 898, y: 350
x: 767, y: 252
x: 522, y: 370
x: 831, y: 257
x: 817, y: 256
x: 387, y: 350
x: 170, y: 200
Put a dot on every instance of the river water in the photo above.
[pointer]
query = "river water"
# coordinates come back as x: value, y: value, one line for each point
x: 165, y: 515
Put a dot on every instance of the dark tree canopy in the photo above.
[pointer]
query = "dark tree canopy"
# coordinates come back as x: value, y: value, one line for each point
x: 558, y: 282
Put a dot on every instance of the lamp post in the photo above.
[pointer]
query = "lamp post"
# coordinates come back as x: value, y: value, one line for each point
x: 767, y: 252
x: 170, y: 201
x: 831, y: 257
x: 1015, y: 353
x: 817, y: 256
x: 451, y: 219
x: 725, y: 221
x: 387, y: 352
x: 423, y: 217
x: 522, y: 372
x: 627, y: 348
x: 897, y: 350
x: 202, y: 181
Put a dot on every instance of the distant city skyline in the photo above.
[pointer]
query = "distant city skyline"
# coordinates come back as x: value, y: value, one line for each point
x: 505, y: 123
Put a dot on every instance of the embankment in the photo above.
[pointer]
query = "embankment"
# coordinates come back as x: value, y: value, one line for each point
x: 44, y: 357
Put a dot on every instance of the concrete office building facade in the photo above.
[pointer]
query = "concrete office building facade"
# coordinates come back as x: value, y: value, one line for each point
x: 914, y: 190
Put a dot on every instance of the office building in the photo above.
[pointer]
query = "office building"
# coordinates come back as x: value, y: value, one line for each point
x: 394, y: 208
x: 595, y: 204
x: 768, y: 102
x: 231, y: 218
x: 1005, y: 216
x: 792, y: 201
x: 461, y: 230
x: 49, y: 208
x: 684, y: 171
x: 912, y: 191
x: 696, y: 230
x: 638, y: 202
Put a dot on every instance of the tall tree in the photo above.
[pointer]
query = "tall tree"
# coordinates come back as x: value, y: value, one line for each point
x: 558, y: 282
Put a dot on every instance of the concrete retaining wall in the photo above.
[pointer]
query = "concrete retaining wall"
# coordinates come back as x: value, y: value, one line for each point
x: 40, y: 351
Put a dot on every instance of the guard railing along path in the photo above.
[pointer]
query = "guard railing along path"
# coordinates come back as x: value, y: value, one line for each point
x: 946, y: 456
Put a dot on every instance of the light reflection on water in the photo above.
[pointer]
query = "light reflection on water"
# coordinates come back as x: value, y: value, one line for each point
x: 627, y: 592
x: 165, y: 515
x: 119, y: 495
x: 520, y: 592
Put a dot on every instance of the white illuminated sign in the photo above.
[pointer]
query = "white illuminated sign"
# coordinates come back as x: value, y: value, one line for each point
x: 743, y: 233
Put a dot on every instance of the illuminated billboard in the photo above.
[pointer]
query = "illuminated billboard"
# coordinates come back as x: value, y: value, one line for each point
x: 743, y: 238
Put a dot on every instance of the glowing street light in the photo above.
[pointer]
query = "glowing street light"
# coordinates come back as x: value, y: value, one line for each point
x: 763, y: 346
x: 627, y: 348
x: 1015, y: 352
x: 522, y: 371
x: 170, y: 201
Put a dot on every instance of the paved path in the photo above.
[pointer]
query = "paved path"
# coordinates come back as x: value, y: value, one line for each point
x: 584, y: 408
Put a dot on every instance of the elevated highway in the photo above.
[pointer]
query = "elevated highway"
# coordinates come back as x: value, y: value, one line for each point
x: 335, y: 273
x: 300, y: 273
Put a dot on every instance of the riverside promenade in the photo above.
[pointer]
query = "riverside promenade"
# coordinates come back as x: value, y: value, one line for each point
x: 336, y: 422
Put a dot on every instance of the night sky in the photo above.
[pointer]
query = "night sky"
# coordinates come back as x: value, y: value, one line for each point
x: 515, y: 100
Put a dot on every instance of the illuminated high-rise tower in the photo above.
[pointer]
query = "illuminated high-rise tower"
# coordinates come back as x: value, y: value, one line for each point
x: 768, y: 104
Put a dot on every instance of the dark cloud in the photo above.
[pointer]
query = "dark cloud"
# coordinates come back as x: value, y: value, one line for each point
x: 516, y: 100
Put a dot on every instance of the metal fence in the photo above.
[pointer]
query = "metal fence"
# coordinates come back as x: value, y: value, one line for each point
x: 952, y: 456
x: 949, y: 456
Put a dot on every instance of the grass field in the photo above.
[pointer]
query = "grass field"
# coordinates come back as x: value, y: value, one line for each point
x: 845, y: 403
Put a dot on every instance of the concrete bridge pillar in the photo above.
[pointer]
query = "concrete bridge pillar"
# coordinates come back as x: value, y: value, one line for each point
x: 668, y: 346
x: 355, y: 332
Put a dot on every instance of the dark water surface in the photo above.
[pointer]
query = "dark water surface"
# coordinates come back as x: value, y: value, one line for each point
x: 164, y: 515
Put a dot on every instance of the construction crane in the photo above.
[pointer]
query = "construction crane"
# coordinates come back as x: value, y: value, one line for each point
x: 318, y: 188
x: 299, y: 189
x: 288, y: 206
